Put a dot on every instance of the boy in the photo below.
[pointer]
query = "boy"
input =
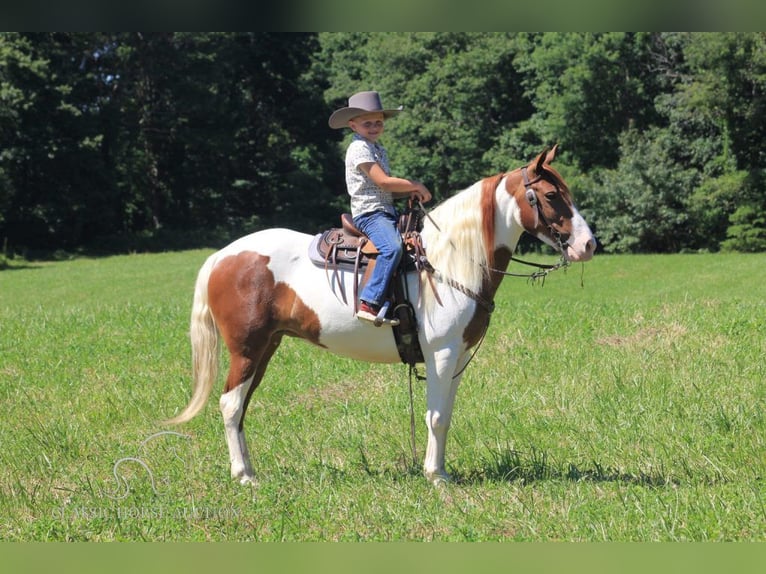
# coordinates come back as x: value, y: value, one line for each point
x: 372, y: 190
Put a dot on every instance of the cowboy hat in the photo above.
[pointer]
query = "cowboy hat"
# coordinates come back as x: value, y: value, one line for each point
x: 358, y: 104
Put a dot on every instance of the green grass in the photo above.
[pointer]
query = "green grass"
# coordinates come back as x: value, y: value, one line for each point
x: 627, y: 409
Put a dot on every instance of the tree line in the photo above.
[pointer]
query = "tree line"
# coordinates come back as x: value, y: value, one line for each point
x: 117, y: 141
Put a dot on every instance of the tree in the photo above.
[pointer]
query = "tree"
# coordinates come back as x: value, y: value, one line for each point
x: 640, y: 205
x: 134, y: 134
x: 716, y: 111
x: 586, y: 89
x: 705, y: 142
x: 162, y: 137
x: 51, y: 159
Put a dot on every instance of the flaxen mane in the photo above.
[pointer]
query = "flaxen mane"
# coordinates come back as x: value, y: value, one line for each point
x: 463, y: 245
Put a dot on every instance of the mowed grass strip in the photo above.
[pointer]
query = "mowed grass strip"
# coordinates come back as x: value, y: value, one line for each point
x: 622, y: 400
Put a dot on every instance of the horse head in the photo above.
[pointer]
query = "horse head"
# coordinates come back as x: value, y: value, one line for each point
x: 547, y: 209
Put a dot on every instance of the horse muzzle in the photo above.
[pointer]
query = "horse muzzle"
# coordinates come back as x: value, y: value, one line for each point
x: 582, y: 250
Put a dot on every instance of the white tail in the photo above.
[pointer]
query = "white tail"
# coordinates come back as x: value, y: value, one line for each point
x: 204, y: 343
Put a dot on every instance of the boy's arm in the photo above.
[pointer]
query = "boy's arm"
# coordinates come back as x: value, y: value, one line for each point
x: 397, y: 185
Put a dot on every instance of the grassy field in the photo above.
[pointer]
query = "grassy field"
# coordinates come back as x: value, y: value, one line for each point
x: 630, y: 408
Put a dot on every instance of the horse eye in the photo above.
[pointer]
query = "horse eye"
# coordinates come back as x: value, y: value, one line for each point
x: 551, y: 194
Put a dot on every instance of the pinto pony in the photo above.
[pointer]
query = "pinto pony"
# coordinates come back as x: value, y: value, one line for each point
x: 263, y: 286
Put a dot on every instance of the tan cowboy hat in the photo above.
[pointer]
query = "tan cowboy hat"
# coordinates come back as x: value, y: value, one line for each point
x: 358, y: 104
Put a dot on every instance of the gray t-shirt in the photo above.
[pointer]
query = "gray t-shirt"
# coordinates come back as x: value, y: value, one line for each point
x: 365, y: 195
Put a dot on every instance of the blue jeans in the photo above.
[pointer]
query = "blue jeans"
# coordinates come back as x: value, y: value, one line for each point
x: 380, y: 227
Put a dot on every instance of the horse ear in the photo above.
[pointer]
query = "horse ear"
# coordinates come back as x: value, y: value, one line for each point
x: 546, y: 157
x: 541, y: 159
x: 551, y: 154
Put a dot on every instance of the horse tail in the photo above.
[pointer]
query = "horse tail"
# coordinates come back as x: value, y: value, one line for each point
x: 205, y: 340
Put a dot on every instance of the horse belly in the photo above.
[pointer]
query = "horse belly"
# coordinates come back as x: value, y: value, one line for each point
x: 341, y: 332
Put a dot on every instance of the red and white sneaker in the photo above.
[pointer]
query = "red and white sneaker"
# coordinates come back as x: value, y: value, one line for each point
x: 367, y: 312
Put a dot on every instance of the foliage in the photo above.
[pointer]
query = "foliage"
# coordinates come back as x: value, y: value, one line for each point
x: 647, y: 213
x: 112, y: 140
x: 586, y: 89
x: 747, y: 231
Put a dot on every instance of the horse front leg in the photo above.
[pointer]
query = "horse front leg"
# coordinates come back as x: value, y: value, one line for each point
x: 441, y: 389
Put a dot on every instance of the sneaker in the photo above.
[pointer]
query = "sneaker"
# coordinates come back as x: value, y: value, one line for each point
x: 367, y: 312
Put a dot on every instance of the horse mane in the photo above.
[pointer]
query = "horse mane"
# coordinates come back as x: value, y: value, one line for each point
x: 462, y: 248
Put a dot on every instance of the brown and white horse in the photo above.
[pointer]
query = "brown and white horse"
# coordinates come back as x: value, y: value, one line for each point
x: 264, y: 286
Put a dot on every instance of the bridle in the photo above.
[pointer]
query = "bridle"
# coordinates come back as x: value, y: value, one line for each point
x: 544, y: 269
x: 531, y: 196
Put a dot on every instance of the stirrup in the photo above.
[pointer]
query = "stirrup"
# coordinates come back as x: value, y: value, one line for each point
x: 380, y: 318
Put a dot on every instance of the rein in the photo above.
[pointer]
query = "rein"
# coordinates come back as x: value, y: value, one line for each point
x: 544, y: 269
x: 486, y: 304
x: 423, y: 264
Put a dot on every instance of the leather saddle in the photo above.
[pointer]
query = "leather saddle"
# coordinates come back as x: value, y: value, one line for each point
x: 342, y: 247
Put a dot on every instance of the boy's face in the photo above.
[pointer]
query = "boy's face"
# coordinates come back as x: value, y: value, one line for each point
x: 369, y: 126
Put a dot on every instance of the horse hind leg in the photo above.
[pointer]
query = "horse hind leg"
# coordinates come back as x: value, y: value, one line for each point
x: 232, y: 404
x: 245, y: 375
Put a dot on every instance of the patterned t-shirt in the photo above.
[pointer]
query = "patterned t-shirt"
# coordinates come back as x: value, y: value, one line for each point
x: 365, y: 195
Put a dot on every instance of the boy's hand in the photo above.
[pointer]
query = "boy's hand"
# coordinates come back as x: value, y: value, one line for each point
x: 421, y: 193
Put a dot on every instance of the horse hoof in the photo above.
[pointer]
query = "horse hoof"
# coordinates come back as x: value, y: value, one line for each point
x: 439, y: 479
x: 247, y: 480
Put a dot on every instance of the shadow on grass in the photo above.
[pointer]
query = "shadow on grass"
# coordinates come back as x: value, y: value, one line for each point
x: 510, y: 465
x: 17, y: 265
x: 523, y: 467
x: 162, y: 240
